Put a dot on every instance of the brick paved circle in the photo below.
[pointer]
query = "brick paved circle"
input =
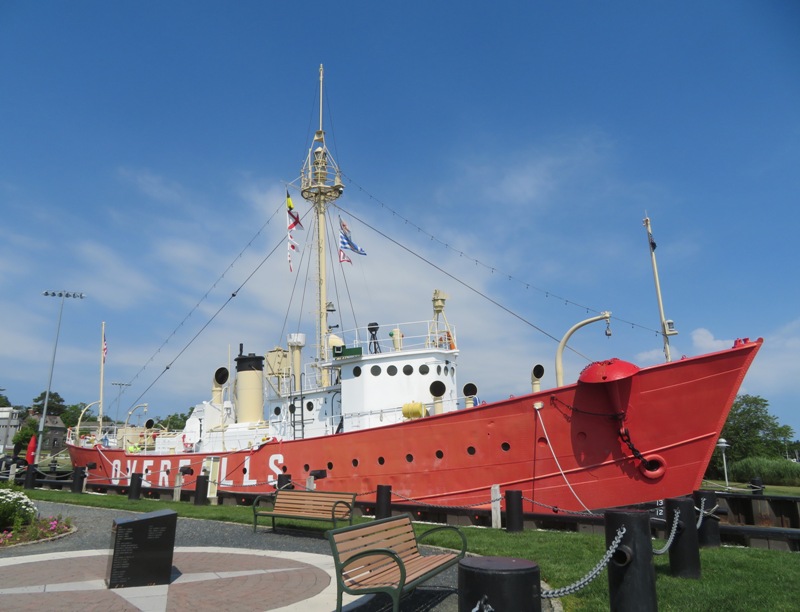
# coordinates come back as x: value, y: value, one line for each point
x: 203, y: 579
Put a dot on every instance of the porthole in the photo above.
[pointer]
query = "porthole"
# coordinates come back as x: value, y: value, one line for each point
x: 375, y: 370
x: 446, y: 370
x: 244, y: 470
x: 355, y: 462
x: 291, y: 408
x: 542, y: 441
x: 381, y: 460
x: 424, y: 369
x: 306, y: 467
x: 310, y: 406
x: 330, y: 465
x: 439, y: 369
x: 408, y: 370
x: 471, y: 450
x: 357, y: 371
x: 410, y: 458
x: 277, y: 411
x: 284, y: 469
x: 505, y: 446
x: 439, y: 454
x: 391, y: 370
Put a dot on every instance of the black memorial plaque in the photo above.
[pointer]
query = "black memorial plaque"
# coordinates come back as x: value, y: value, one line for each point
x: 143, y: 548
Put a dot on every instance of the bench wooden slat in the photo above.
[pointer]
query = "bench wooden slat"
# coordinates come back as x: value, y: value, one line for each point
x: 311, y: 505
x: 373, y: 558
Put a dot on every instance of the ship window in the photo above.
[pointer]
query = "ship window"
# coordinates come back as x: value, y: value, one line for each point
x: 381, y: 460
x: 306, y: 467
x: 310, y: 406
x: 410, y: 458
x: 277, y: 411
x: 375, y: 370
x: 439, y: 454
x: 291, y: 408
x: 439, y: 369
x: 284, y: 469
x: 355, y: 462
x: 505, y: 446
x: 471, y: 450
x: 330, y: 465
x: 391, y: 370
x: 424, y: 369
x: 446, y: 370
x: 357, y: 371
x: 408, y: 370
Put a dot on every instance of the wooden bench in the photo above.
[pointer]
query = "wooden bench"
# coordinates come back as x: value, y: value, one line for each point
x: 383, y: 557
x: 311, y: 505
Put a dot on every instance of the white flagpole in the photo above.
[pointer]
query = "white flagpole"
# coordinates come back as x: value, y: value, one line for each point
x: 102, y: 374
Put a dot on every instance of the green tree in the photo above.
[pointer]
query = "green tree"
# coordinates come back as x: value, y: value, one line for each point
x: 4, y: 401
x: 173, y: 422
x: 72, y: 413
x: 29, y: 427
x: 55, y: 404
x: 752, y: 431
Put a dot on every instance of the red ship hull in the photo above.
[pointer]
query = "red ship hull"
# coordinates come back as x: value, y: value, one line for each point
x: 561, y: 447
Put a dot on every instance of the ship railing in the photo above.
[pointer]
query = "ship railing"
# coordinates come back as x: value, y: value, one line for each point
x: 394, y: 337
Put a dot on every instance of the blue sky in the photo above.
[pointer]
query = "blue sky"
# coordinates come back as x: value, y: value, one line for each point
x: 145, y: 148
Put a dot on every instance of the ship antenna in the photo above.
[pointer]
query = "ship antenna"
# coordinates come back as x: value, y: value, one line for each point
x: 667, y: 326
x: 321, y: 184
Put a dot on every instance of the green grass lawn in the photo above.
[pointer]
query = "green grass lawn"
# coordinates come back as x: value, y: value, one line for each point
x: 732, y: 578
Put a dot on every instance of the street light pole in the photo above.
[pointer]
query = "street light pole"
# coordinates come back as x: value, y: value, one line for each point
x: 722, y: 444
x: 63, y: 295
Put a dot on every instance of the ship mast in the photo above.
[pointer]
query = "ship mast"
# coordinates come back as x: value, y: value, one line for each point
x: 667, y: 326
x: 321, y: 184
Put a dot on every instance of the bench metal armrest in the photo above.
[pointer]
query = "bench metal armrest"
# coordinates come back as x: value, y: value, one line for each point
x: 386, y: 552
x: 446, y: 527
x: 347, y: 505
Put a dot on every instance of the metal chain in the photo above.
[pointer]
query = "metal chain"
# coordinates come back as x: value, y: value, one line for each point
x: 625, y: 436
x: 467, y: 507
x: 556, y: 509
x: 577, y: 586
x: 701, y: 511
x: 672, y: 533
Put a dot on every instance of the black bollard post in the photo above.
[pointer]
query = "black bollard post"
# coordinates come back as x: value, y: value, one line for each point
x: 708, y: 533
x: 201, y: 490
x: 383, y: 502
x: 30, y: 476
x: 684, y: 552
x: 285, y: 481
x: 757, y: 486
x: 514, y: 521
x: 78, y: 475
x: 631, y: 576
x: 135, y: 490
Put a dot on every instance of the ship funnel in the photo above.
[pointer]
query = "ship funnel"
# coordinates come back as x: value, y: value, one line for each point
x: 437, y: 390
x: 249, y: 388
x: 470, y: 391
x: 220, y: 378
x: 536, y: 377
x: 296, y: 343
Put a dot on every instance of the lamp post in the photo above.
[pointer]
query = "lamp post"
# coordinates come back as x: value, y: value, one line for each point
x: 125, y: 427
x: 80, y: 418
x: 63, y: 295
x: 132, y: 410
x: 723, y: 444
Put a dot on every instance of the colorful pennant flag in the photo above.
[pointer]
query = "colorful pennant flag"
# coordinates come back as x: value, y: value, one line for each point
x: 292, y: 222
x: 346, y: 241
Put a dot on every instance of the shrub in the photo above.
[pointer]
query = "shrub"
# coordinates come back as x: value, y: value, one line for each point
x: 771, y: 471
x: 16, y: 509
